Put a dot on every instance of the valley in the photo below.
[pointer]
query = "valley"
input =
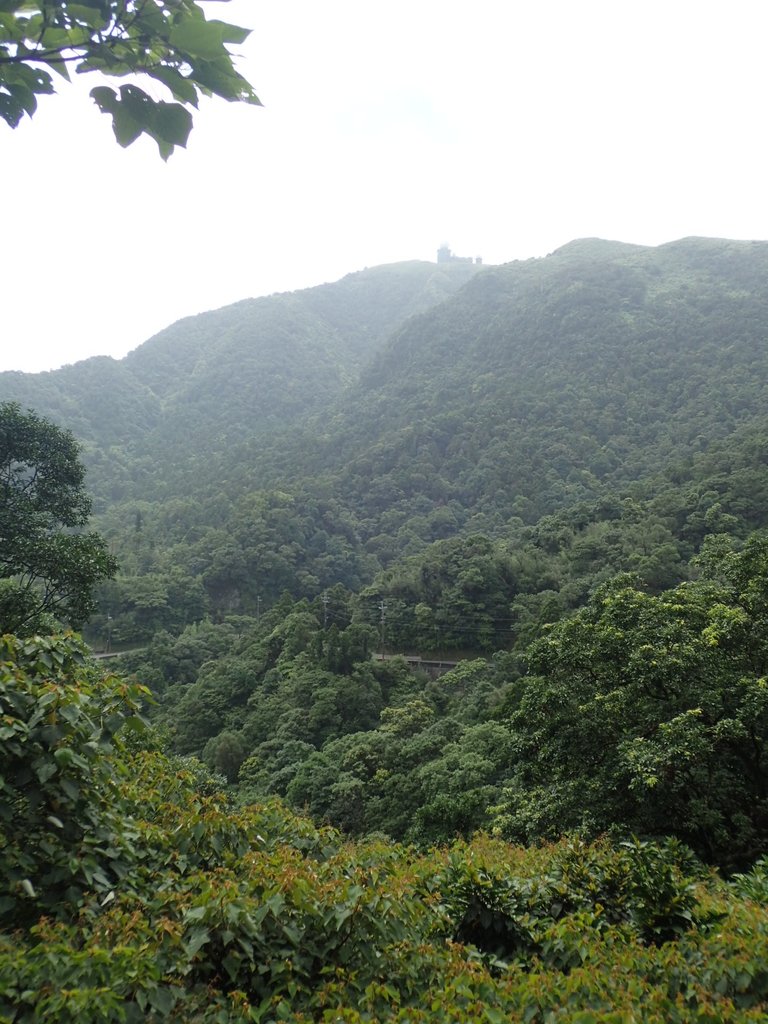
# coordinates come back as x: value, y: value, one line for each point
x: 435, y: 569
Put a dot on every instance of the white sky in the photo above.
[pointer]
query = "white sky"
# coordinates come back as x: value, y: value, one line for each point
x: 504, y: 128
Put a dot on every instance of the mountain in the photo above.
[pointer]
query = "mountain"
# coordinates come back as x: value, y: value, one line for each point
x: 416, y: 401
x: 249, y: 368
x: 409, y: 403
x: 446, y: 461
x: 539, y: 384
x: 413, y: 357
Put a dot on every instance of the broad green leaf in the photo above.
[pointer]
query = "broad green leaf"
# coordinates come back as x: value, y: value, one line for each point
x: 197, y: 940
x: 46, y: 771
x: 71, y: 789
x: 183, y: 89
x: 105, y: 98
x: 172, y: 124
x: 11, y: 30
x: 126, y: 126
x: 230, y: 33
x: 221, y: 79
x: 162, y: 999
x: 198, y: 39
x: 92, y: 15
x: 60, y: 38
x: 34, y: 79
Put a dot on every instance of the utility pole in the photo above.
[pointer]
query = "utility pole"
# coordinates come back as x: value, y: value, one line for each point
x: 325, y: 599
x: 258, y: 607
x: 383, y: 610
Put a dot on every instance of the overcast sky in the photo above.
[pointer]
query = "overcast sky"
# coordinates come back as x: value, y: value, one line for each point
x: 504, y: 128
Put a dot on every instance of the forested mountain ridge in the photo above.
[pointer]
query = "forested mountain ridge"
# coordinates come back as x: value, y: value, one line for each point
x: 472, y: 476
x: 262, y: 363
x: 544, y: 382
x: 302, y: 440
x: 538, y: 383
x: 554, y: 477
x: 210, y: 380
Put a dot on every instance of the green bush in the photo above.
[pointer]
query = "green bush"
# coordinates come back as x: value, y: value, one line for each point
x: 216, y: 914
x: 753, y: 885
x: 62, y: 832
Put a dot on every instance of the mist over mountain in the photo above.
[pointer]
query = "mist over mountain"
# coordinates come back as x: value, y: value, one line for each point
x: 499, y: 393
x: 545, y: 381
x: 247, y: 368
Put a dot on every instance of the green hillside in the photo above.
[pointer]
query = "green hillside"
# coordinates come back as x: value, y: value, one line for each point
x: 546, y: 484
x: 539, y: 385
x: 536, y: 385
x: 502, y: 457
x: 437, y: 460
x: 542, y: 383
x: 149, y: 896
x: 550, y: 387
x: 209, y: 381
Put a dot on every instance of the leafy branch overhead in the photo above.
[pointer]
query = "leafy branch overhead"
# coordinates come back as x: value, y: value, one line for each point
x: 169, y: 41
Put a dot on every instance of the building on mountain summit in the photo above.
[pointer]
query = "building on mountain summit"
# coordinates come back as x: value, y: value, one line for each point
x: 444, y: 255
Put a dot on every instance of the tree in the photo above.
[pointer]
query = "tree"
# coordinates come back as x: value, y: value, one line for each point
x: 169, y: 41
x: 47, y: 567
x: 61, y: 826
x: 649, y: 714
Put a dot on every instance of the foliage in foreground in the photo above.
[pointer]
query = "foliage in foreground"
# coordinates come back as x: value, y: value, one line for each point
x: 643, y: 713
x: 256, y: 915
x: 650, y: 714
x: 171, y: 43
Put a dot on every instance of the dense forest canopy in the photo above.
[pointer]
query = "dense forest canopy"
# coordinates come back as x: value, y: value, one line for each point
x: 545, y: 484
x: 135, y: 890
